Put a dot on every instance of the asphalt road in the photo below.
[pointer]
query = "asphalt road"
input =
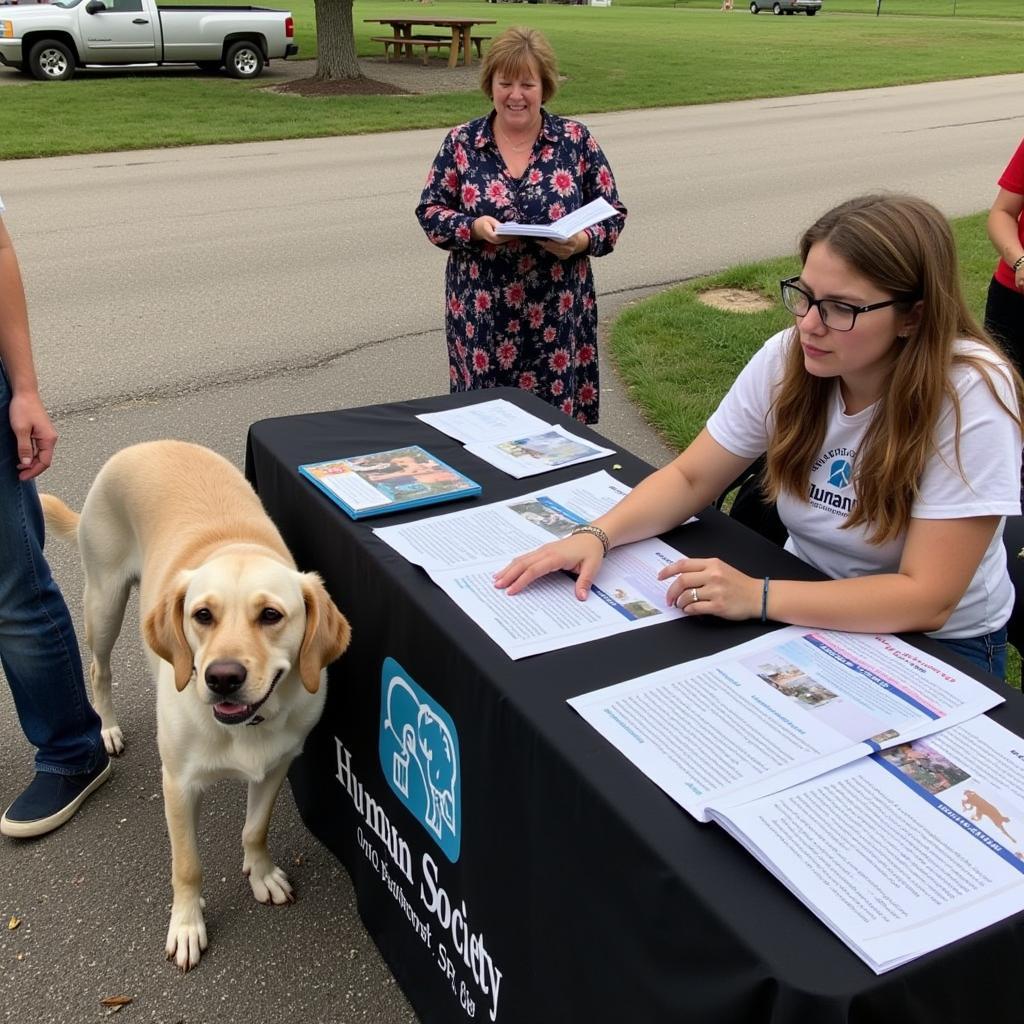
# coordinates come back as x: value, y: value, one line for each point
x: 189, y: 292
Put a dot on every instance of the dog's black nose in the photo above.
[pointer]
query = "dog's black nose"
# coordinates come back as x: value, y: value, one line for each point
x: 225, y: 677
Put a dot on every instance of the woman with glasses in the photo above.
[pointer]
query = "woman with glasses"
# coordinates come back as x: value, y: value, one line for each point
x: 891, y: 429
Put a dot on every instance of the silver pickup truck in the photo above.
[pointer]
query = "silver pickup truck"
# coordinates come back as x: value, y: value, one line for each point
x: 50, y: 41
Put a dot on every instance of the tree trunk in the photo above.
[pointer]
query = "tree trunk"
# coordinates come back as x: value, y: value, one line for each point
x: 335, y: 40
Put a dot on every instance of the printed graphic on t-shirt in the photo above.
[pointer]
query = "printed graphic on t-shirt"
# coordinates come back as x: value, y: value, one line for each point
x: 831, y: 485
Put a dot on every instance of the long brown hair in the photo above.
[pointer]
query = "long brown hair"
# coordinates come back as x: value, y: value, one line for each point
x: 905, y: 247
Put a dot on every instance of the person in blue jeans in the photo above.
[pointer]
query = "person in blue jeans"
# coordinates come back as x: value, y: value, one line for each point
x: 38, y: 648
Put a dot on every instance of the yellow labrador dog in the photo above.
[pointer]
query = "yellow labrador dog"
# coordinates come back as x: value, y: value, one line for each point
x: 239, y: 637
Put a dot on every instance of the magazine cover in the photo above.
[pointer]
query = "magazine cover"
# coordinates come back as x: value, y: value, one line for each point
x: 391, y: 481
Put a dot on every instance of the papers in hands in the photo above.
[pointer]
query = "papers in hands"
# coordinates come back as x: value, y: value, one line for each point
x: 562, y: 230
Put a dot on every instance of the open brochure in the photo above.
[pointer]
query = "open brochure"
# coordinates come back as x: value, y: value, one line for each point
x: 514, y: 441
x: 391, y: 481
x: 904, y: 851
x: 562, y: 230
x: 461, y: 552
x: 778, y: 710
x: 828, y: 755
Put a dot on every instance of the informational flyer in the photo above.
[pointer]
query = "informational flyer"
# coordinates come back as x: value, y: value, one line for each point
x: 462, y: 551
x: 514, y: 441
x: 778, y: 710
x: 904, y: 851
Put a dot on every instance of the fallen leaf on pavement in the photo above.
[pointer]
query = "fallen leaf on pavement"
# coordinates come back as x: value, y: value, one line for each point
x: 116, y: 1000
x: 13, y: 923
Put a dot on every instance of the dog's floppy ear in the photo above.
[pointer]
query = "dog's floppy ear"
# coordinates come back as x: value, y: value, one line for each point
x: 164, y: 630
x: 327, y: 632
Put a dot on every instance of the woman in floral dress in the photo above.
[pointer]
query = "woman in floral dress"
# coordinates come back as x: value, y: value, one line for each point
x: 520, y: 312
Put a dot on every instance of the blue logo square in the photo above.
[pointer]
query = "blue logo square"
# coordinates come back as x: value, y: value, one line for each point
x: 419, y: 755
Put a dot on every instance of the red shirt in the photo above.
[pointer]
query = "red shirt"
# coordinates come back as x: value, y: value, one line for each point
x: 1013, y: 181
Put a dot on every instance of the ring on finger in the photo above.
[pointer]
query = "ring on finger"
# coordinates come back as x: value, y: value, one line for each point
x: 696, y: 596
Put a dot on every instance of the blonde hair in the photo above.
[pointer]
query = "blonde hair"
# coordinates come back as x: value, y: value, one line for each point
x: 512, y: 52
x: 905, y: 247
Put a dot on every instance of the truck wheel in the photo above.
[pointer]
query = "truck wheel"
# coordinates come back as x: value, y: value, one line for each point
x: 243, y: 60
x: 50, y: 60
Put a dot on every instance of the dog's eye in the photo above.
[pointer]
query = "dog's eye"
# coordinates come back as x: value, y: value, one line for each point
x: 270, y: 615
x: 203, y: 616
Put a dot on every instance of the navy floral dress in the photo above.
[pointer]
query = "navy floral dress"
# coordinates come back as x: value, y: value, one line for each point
x: 515, y: 314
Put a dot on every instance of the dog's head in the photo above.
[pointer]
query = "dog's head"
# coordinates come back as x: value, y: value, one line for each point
x: 242, y: 623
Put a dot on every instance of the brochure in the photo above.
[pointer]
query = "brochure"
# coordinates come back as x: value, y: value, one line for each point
x: 904, y: 851
x: 858, y: 769
x: 391, y: 481
x: 514, y: 441
x: 462, y: 550
x: 562, y: 230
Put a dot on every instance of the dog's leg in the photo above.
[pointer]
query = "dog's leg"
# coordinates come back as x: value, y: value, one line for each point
x: 269, y: 883
x: 104, y: 613
x: 186, y: 935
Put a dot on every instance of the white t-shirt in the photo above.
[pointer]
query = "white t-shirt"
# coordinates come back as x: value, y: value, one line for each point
x: 990, y: 452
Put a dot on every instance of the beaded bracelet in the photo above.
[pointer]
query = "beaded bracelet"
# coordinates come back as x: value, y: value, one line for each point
x: 594, y: 531
x: 1020, y: 263
x: 764, y: 599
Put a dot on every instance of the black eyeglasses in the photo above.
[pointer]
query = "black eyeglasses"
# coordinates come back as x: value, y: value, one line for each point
x: 839, y: 316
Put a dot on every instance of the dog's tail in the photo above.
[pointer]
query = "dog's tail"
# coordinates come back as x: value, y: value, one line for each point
x: 60, y: 519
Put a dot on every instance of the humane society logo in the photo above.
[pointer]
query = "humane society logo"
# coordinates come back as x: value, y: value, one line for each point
x: 840, y: 473
x: 838, y: 466
x: 419, y: 755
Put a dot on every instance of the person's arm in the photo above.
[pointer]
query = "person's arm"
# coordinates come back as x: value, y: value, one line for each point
x: 598, y: 180
x: 920, y: 596
x: 657, y: 504
x: 441, y: 209
x: 1003, y: 229
x: 595, y: 180
x: 33, y: 431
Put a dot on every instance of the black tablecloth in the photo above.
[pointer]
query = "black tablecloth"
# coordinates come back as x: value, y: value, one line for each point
x: 595, y: 896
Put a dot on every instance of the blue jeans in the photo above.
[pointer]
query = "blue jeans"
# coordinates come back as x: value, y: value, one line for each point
x: 988, y: 651
x: 38, y: 649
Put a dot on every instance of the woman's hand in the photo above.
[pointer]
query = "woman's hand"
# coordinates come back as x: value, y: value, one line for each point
x: 485, y: 229
x: 709, y: 586
x: 578, y: 243
x: 581, y: 554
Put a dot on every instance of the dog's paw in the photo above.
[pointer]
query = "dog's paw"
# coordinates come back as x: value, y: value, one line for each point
x: 113, y: 740
x: 186, y: 936
x: 269, y: 883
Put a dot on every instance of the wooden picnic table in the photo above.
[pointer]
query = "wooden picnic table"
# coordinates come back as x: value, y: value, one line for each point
x: 402, y: 27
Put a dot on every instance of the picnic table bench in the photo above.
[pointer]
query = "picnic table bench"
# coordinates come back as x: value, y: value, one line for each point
x: 458, y: 41
x: 426, y: 42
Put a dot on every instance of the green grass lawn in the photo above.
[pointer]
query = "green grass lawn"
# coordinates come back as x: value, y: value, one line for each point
x: 678, y: 356
x: 615, y: 58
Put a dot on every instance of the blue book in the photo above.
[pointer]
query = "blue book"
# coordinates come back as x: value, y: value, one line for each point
x: 391, y: 481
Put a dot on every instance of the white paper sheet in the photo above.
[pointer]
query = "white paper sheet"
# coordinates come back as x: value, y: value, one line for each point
x: 561, y: 230
x: 463, y: 550
x: 905, y: 851
x: 778, y: 710
x: 516, y: 442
